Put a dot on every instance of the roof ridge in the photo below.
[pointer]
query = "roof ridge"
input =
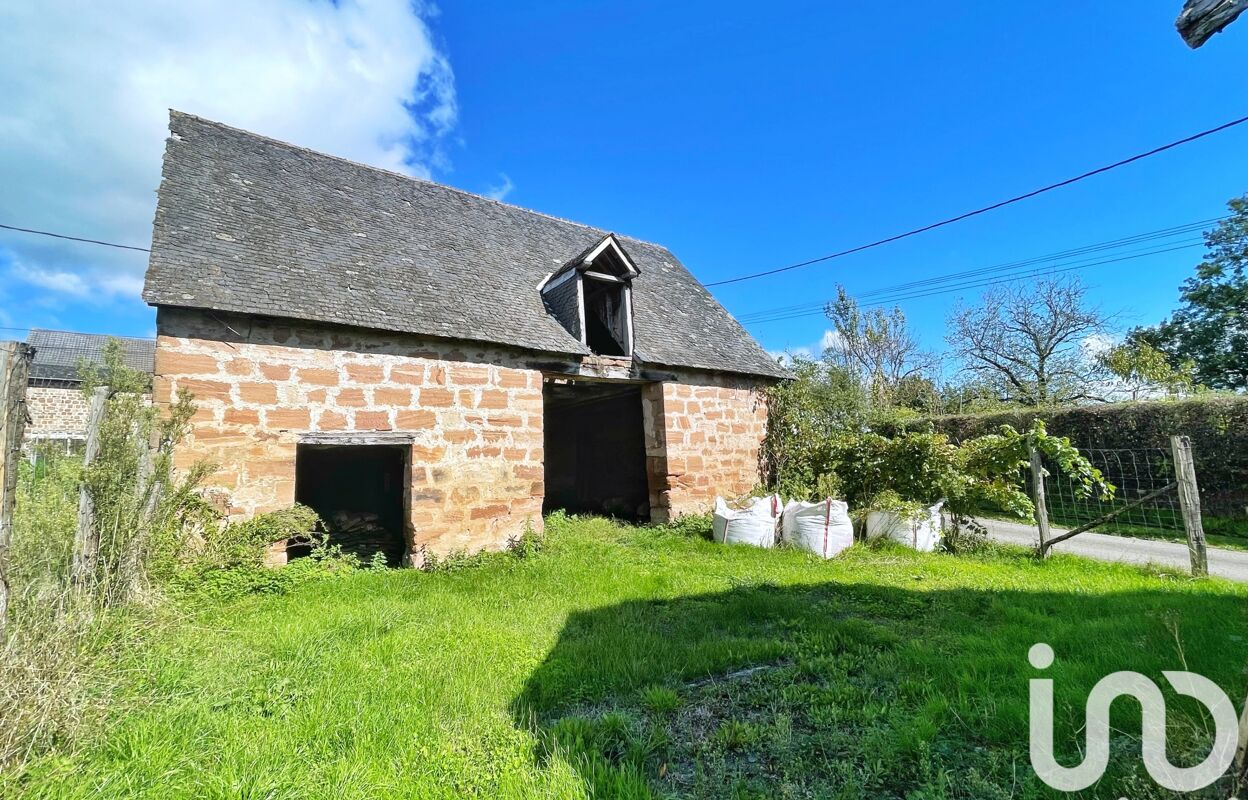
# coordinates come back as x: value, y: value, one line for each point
x: 98, y: 335
x: 173, y: 112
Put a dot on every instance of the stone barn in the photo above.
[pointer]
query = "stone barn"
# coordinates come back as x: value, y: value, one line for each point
x: 429, y: 366
x: 54, y: 399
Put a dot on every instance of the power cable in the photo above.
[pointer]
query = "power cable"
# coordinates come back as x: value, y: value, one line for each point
x: 986, y: 209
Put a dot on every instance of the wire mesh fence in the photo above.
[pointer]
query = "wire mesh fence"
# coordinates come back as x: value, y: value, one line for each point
x: 1139, y: 474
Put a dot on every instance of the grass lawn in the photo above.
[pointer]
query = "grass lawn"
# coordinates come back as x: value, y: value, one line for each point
x: 603, y: 666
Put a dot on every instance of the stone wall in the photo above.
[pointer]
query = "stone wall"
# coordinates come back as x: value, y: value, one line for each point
x: 703, y: 439
x: 56, y: 412
x: 473, y: 418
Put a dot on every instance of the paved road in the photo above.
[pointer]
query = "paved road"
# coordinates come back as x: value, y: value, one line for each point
x: 1232, y: 564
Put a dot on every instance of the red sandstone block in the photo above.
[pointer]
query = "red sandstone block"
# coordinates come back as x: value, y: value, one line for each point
x: 287, y: 418
x: 529, y: 473
x: 407, y: 374
x: 487, y: 512
x: 332, y: 421
x: 352, y: 398
x: 390, y: 396
x: 171, y: 362
x: 513, y: 379
x: 365, y: 373
x: 421, y: 453
x: 469, y: 376
x: 372, y: 421
x: 492, y: 399
x: 320, y: 377
x: 205, y: 390
x: 275, y: 372
x: 239, y: 366
x: 435, y: 398
x: 436, y: 376
x: 459, y: 435
x: 484, y: 452
x: 506, y: 421
x: 317, y: 395
x: 241, y: 416
x: 265, y: 393
x: 414, y: 418
x: 271, y: 469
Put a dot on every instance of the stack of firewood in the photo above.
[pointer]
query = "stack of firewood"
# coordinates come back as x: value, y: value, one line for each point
x: 361, y: 534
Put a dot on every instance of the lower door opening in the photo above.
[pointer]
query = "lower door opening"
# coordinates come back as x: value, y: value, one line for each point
x: 595, y: 449
x: 358, y: 492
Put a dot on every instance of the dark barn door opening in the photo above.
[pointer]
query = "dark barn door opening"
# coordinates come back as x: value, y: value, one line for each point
x: 595, y: 449
x: 358, y: 492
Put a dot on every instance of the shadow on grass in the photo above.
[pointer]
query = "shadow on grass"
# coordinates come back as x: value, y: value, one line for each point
x: 863, y: 690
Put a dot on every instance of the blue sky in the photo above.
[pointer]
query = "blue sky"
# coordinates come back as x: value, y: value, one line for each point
x: 746, y: 137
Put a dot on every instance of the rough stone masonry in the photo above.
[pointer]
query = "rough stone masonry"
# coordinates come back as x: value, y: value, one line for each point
x: 471, y: 415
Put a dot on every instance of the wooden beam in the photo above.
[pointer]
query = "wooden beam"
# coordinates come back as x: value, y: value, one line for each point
x: 1189, y: 504
x: 1101, y: 520
x: 87, y: 540
x: 1201, y: 19
x: 14, y: 376
x: 1037, y: 499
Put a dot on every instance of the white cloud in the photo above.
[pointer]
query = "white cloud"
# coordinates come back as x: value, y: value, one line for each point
x: 87, y: 88
x: 830, y: 340
x: 503, y: 189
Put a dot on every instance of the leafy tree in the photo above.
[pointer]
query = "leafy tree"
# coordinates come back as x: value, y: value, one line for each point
x: 876, y: 346
x: 1143, y: 368
x: 1211, y: 328
x: 1026, y: 341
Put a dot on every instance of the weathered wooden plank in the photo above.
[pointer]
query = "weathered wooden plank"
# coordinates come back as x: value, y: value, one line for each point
x: 87, y: 539
x: 1201, y: 19
x: 1189, y: 503
x: 14, y: 374
x: 1037, y: 497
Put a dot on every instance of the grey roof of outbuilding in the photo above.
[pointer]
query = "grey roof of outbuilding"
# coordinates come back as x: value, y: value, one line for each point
x: 58, y: 353
x: 248, y: 224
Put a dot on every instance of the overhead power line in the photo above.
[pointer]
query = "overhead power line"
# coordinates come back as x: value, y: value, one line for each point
x: 1039, y: 272
x: 1052, y: 260
x: 985, y: 209
x: 75, y: 238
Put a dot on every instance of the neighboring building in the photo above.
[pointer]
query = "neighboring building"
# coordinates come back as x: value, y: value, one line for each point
x: 442, y: 366
x: 54, y: 399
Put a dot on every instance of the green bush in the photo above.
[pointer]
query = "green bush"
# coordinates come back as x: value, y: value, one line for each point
x: 1217, y: 426
x: 243, y: 544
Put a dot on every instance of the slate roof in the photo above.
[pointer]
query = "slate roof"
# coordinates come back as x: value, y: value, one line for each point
x: 248, y: 224
x: 58, y: 353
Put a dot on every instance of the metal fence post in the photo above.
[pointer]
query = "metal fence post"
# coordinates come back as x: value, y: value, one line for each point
x: 1037, y: 498
x: 1189, y: 504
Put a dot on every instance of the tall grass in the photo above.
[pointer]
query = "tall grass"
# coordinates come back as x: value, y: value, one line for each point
x: 66, y: 624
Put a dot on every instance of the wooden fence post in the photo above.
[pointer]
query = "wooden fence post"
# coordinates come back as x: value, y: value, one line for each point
x: 1037, y: 498
x: 1189, y: 504
x: 87, y: 540
x: 14, y: 374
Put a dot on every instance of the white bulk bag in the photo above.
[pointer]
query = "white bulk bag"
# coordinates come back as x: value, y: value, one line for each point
x: 754, y: 523
x: 922, y: 534
x: 823, y: 527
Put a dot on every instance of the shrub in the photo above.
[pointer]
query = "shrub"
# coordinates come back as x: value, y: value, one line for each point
x: 1217, y: 426
x: 243, y: 544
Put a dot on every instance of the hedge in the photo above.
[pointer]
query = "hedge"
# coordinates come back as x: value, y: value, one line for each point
x: 1217, y: 426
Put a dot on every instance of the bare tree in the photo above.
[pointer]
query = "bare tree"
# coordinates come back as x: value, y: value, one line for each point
x: 1028, y: 342
x: 877, y: 346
